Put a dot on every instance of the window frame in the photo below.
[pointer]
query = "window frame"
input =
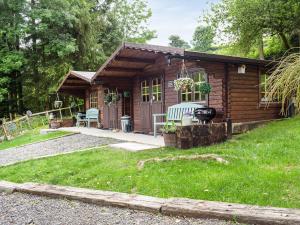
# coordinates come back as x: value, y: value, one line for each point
x: 159, y: 91
x: 264, y: 100
x: 94, y: 99
x: 192, y: 92
x: 146, y: 93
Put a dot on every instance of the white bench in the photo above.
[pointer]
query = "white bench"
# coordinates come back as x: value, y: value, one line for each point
x: 175, y: 113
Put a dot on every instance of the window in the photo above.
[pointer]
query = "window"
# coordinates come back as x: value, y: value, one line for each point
x: 186, y: 96
x: 194, y: 94
x: 263, y: 87
x: 145, y: 91
x: 156, y: 89
x: 94, y: 99
x: 199, y: 79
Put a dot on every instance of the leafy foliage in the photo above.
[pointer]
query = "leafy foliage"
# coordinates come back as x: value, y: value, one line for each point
x: 203, y: 38
x: 41, y: 40
x: 249, y: 23
x: 176, y: 41
x: 284, y: 82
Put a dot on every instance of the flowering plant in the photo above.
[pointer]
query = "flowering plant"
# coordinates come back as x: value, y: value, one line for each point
x: 183, y: 83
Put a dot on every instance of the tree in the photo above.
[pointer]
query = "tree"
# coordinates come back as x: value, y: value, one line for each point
x: 203, y: 38
x: 40, y: 40
x: 176, y: 41
x: 248, y: 23
x: 11, y: 57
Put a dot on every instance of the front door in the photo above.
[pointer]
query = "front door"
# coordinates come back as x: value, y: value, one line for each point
x: 151, y: 101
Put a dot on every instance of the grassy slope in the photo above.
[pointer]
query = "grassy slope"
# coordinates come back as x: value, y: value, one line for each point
x: 264, y: 169
x: 31, y: 137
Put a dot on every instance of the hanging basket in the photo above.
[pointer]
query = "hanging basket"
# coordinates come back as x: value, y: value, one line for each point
x: 183, y: 84
x: 58, y: 103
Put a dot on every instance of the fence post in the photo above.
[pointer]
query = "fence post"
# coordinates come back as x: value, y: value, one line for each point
x: 60, y: 114
x: 5, y: 131
x: 28, y: 121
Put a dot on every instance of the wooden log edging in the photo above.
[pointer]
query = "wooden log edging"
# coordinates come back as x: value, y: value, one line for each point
x: 173, y: 206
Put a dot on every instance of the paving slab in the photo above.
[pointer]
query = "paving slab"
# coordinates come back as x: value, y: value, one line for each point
x: 132, y: 146
x: 129, y: 137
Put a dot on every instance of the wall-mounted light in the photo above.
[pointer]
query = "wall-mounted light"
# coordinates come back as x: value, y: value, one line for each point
x: 242, y: 69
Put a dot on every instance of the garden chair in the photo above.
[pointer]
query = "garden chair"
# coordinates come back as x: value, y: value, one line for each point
x: 92, y: 115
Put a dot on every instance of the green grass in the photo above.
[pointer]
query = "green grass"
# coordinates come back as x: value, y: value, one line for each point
x: 264, y: 169
x: 29, y: 137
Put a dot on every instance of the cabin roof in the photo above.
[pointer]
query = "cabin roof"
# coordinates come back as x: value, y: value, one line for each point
x: 130, y: 59
x: 76, y: 80
x: 85, y: 75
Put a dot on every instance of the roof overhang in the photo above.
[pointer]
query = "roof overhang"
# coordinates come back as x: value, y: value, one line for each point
x: 131, y: 59
x: 225, y: 59
x: 76, y: 82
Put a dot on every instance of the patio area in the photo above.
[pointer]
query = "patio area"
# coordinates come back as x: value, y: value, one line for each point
x: 128, y: 137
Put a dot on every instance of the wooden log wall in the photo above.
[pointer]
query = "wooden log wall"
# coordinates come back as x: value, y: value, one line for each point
x: 244, y: 97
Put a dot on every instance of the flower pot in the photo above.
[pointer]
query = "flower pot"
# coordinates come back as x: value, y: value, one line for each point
x: 170, y: 139
x: 55, y: 124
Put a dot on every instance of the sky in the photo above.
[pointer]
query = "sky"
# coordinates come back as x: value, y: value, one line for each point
x: 178, y: 17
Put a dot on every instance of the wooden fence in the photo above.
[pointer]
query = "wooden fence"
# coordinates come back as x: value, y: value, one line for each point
x: 13, y: 128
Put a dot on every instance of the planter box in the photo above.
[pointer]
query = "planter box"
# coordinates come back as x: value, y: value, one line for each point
x: 200, y: 135
x: 170, y: 139
x: 68, y: 123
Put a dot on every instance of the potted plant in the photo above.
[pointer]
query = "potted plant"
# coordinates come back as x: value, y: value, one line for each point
x: 107, y: 98
x: 169, y: 133
x: 205, y: 88
x: 183, y: 83
x: 126, y: 94
x: 115, y: 97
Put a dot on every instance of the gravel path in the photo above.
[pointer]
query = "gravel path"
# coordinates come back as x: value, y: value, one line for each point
x: 23, y: 209
x: 64, y: 144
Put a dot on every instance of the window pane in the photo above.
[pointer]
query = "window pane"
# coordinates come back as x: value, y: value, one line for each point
x: 159, y: 97
x: 263, y: 87
x: 145, y: 91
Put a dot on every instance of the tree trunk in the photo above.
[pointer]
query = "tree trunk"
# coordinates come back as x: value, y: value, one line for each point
x: 261, y: 48
x: 284, y: 40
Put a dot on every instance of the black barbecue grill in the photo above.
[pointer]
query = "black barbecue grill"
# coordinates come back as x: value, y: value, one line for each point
x: 205, y: 114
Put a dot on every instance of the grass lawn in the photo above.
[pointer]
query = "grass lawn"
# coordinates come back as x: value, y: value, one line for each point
x: 264, y: 169
x: 31, y: 137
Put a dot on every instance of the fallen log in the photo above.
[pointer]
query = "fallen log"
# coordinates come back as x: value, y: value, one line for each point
x: 217, y: 158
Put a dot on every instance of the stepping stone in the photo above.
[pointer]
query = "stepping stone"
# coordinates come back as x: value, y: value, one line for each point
x: 132, y: 146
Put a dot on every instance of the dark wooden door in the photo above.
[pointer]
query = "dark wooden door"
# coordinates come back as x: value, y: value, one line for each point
x: 151, y: 101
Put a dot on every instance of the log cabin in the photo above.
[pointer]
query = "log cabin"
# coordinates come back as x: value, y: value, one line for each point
x: 146, y: 73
